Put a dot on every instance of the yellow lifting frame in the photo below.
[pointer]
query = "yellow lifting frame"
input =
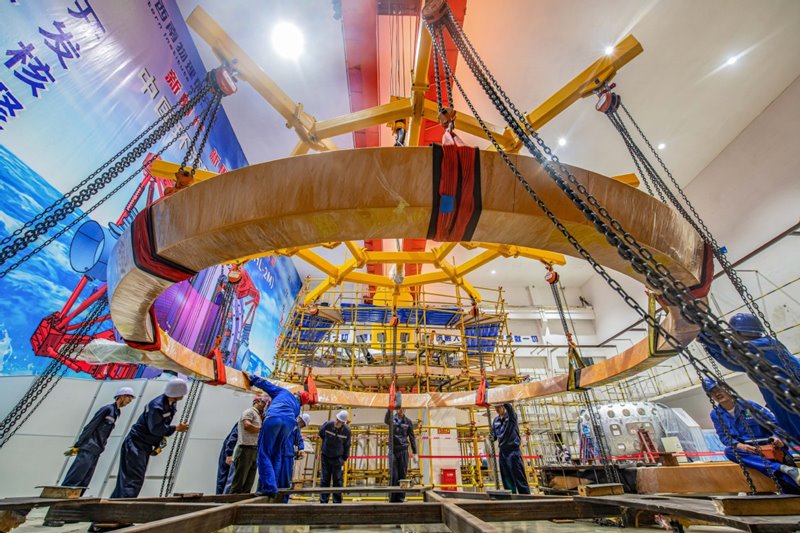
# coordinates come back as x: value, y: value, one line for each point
x: 316, y: 135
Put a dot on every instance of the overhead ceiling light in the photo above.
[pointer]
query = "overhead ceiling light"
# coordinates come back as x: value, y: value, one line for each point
x: 609, y: 50
x: 731, y: 60
x: 562, y: 141
x: 661, y: 146
x: 288, y: 40
x: 494, y: 271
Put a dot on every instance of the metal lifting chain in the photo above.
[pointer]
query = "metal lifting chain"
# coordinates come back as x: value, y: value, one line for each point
x: 176, y: 452
x: 657, y: 275
x: 611, y: 470
x: 495, y: 467
x: 47, y: 380
x: 100, y: 202
x: 693, y: 219
x: 754, y: 364
x: 86, y: 189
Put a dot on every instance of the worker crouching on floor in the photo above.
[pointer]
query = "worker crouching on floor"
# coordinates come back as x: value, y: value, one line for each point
x: 745, y: 433
x: 279, y: 422
x: 335, y: 450
x: 92, y: 440
x: 144, y: 438
x: 246, y: 454
x: 292, y: 449
x: 402, y: 438
x: 505, y: 431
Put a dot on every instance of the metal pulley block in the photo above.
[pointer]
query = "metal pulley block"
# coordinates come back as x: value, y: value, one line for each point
x: 608, y: 101
x: 224, y: 81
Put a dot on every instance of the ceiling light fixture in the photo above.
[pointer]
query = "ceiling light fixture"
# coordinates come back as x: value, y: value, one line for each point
x: 494, y: 271
x: 731, y: 60
x: 288, y: 40
x: 661, y: 146
x: 562, y: 141
x: 609, y: 50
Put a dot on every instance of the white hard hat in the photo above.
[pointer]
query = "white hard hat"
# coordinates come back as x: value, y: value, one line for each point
x: 176, y: 388
x: 125, y: 391
x: 306, y: 418
x: 341, y: 416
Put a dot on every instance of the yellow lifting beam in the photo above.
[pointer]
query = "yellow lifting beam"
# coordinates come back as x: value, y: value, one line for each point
x: 230, y: 53
x: 582, y: 85
x: 166, y: 170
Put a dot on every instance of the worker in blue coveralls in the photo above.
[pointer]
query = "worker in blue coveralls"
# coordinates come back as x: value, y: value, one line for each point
x: 745, y: 434
x: 292, y: 449
x: 403, y: 437
x: 92, y: 440
x: 226, y: 458
x: 334, y: 451
x: 144, y: 438
x: 749, y: 328
x: 279, y: 422
x: 505, y: 430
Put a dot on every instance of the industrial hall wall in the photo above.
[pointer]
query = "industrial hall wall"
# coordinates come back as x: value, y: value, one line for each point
x: 79, y: 80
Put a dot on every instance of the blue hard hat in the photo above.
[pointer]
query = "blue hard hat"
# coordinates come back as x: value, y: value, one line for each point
x: 746, y: 324
x: 709, y: 384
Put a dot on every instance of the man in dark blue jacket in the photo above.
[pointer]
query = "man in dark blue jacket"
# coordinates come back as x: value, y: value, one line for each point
x: 403, y: 437
x: 154, y: 424
x: 292, y: 449
x: 749, y: 328
x: 226, y: 458
x: 279, y: 422
x: 335, y: 450
x: 92, y: 440
x: 505, y: 430
x: 742, y: 433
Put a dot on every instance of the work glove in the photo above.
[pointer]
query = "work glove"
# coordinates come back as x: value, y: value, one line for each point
x: 71, y: 452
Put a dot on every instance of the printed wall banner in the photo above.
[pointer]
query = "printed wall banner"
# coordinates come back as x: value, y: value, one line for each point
x: 79, y: 80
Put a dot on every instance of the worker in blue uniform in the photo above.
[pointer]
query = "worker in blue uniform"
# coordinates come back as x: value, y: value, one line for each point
x: 334, y: 451
x: 279, y: 422
x: 144, y: 438
x: 505, y: 431
x: 744, y: 433
x: 402, y: 438
x: 292, y: 449
x: 92, y: 440
x: 749, y: 328
x: 226, y: 458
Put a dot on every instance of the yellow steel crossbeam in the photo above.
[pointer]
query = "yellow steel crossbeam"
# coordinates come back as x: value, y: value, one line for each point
x: 246, y: 69
x: 580, y: 86
x: 332, y: 281
x: 476, y: 262
x: 468, y: 124
x: 445, y: 248
x: 510, y: 250
x: 369, y: 279
x: 318, y: 261
x: 452, y: 273
x: 166, y: 170
x: 419, y: 85
x: 400, y: 258
x: 358, y: 120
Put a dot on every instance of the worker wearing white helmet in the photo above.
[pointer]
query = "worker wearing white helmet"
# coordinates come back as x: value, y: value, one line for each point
x: 92, y: 440
x: 145, y: 438
x: 335, y: 450
x: 292, y: 449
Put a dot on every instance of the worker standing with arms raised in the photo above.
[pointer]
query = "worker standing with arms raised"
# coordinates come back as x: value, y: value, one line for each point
x: 279, y: 422
x: 92, y: 440
x: 505, y: 430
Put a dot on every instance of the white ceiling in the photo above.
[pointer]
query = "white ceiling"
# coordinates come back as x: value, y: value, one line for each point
x: 679, y: 89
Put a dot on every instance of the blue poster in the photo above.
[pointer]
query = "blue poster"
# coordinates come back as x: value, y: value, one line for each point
x: 80, y: 79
